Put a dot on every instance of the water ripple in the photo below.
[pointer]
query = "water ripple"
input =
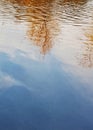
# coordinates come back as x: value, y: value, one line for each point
x: 54, y: 25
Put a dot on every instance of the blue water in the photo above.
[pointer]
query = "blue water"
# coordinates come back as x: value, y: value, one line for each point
x: 46, y: 85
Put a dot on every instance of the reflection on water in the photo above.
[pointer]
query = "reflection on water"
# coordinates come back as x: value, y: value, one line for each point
x: 46, y: 64
x: 87, y: 56
x: 41, y: 26
x: 57, y: 22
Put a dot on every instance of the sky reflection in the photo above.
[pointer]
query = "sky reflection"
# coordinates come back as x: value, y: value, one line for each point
x: 52, y: 31
x: 46, y: 65
x: 54, y: 26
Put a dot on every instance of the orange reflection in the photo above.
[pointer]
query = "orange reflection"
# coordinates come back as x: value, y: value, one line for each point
x: 87, y: 56
x: 43, y: 26
x: 40, y: 34
x: 75, y: 1
x: 39, y: 17
x: 20, y: 2
x: 40, y: 25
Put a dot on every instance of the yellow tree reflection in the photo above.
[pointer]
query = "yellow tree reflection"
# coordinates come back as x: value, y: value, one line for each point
x: 87, y: 56
x: 40, y: 34
x: 76, y: 2
x: 42, y: 26
x: 39, y: 17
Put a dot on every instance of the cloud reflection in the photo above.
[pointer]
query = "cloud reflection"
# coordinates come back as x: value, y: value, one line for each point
x: 7, y: 80
x: 57, y: 26
x: 42, y: 100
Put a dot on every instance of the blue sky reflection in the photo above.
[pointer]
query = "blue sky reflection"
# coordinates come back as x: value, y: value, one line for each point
x: 50, y: 89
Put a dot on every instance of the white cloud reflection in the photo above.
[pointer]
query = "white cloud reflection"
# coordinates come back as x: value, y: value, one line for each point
x: 13, y: 40
x: 7, y: 81
x: 68, y: 46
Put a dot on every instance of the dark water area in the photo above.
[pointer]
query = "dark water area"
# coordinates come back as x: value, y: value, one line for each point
x: 46, y: 65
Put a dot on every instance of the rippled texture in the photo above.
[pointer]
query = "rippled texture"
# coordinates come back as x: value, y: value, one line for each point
x: 46, y: 64
x: 56, y: 23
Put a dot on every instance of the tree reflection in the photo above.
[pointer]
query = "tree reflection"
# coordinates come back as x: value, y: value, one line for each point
x: 87, y: 56
x: 38, y: 15
x: 75, y: 2
x: 43, y: 24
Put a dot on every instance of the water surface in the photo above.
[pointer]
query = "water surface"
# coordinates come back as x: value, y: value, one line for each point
x: 46, y: 65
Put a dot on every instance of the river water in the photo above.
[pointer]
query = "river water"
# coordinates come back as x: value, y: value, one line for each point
x: 46, y: 65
